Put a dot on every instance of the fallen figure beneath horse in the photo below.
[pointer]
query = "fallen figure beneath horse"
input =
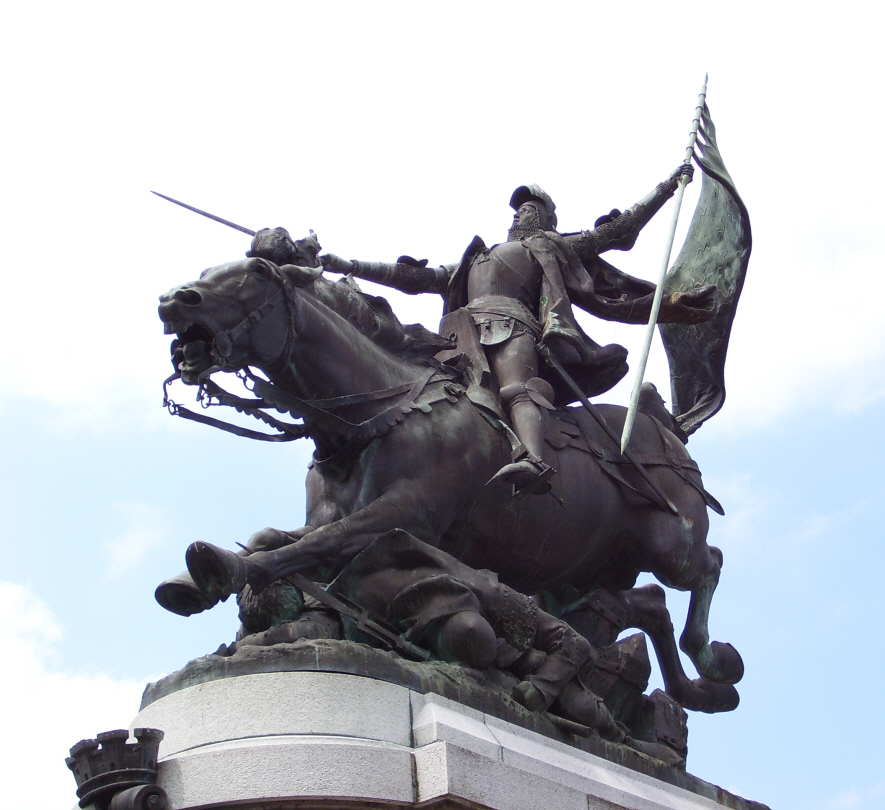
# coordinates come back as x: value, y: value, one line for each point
x: 405, y: 442
x: 446, y: 611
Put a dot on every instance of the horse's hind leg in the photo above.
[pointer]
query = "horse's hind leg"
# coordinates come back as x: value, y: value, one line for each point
x: 647, y: 611
x: 680, y: 558
x: 714, y: 660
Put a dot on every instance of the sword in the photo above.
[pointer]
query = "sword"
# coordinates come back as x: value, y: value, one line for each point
x: 350, y: 609
x: 663, y: 500
x: 207, y: 214
x: 358, y: 614
x: 659, y: 291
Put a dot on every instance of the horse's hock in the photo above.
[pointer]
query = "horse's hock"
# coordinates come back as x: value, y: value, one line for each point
x: 288, y: 737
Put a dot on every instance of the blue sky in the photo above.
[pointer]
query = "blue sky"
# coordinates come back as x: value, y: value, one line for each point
x: 397, y: 128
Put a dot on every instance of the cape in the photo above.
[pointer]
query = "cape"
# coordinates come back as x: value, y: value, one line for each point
x: 596, y: 287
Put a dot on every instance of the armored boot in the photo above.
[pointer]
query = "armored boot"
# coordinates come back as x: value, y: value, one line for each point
x: 527, y: 401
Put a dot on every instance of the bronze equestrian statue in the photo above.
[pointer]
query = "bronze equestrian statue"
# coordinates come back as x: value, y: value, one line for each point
x: 405, y: 441
x: 426, y: 443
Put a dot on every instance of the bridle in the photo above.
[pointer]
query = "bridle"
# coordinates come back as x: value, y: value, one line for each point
x: 223, y: 343
x: 320, y: 412
x: 209, y: 393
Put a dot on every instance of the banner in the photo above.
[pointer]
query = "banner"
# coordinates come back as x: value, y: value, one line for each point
x: 716, y: 251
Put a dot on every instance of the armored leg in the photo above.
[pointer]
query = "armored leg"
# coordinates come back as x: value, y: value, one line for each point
x: 566, y: 653
x: 526, y: 397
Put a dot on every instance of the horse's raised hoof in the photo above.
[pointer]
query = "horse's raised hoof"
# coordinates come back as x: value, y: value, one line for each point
x: 218, y: 573
x: 701, y: 695
x: 727, y: 663
x: 180, y: 595
x: 717, y: 661
x: 721, y: 664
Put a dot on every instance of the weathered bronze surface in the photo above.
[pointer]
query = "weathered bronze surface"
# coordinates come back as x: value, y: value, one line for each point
x: 458, y: 510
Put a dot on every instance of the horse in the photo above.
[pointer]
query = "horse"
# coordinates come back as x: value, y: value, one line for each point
x: 402, y: 442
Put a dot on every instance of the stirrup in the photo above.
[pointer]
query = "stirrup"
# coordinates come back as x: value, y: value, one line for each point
x: 528, y: 474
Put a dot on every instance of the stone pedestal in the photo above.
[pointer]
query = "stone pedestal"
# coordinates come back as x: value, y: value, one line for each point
x: 311, y: 740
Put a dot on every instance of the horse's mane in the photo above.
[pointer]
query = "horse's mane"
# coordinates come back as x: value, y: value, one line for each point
x: 373, y: 317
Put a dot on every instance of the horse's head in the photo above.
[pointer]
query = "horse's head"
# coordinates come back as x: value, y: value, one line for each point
x: 234, y: 315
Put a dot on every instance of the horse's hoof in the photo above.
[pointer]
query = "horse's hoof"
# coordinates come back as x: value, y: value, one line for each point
x: 717, y: 661
x: 702, y: 695
x: 217, y: 573
x: 183, y: 597
x: 728, y: 665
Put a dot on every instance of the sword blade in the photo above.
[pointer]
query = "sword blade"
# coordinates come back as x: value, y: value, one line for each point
x: 206, y: 214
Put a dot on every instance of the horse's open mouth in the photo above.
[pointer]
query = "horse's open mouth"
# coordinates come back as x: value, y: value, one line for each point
x: 191, y: 350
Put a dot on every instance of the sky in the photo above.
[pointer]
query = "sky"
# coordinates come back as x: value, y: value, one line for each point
x: 402, y: 128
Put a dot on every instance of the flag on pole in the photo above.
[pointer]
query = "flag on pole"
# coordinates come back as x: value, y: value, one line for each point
x: 716, y: 251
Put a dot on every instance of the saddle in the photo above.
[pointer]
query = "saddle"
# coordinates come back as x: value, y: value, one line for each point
x: 568, y: 426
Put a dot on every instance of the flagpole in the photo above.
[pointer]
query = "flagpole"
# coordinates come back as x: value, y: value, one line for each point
x: 659, y: 291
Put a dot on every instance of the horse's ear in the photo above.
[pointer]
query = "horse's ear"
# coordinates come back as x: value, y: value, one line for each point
x: 301, y: 276
x: 308, y: 249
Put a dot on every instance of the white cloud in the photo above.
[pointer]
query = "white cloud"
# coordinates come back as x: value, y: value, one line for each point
x: 819, y: 529
x: 45, y: 709
x: 848, y: 799
x: 144, y: 530
x: 746, y: 506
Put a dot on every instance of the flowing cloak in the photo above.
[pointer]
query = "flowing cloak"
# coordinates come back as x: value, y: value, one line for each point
x: 572, y: 275
x: 716, y: 252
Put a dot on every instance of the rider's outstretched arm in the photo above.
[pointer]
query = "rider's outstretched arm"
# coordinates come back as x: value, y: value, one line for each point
x: 407, y: 275
x: 618, y: 231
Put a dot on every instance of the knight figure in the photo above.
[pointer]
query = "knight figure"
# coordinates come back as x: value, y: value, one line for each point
x: 519, y: 294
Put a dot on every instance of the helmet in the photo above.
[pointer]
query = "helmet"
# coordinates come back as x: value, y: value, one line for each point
x: 525, y: 193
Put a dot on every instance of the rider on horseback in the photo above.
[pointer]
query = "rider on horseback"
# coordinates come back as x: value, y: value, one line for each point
x: 519, y: 295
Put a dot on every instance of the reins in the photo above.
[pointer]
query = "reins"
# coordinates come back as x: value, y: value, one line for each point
x: 272, y: 396
x: 209, y: 389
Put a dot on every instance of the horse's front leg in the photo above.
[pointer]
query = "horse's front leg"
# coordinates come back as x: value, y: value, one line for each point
x: 682, y: 559
x: 321, y: 552
x: 181, y: 595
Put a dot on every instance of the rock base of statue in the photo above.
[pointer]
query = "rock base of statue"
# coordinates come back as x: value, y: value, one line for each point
x: 272, y: 729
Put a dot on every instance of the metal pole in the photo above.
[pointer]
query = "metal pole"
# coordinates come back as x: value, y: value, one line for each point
x: 659, y: 292
x: 663, y: 500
